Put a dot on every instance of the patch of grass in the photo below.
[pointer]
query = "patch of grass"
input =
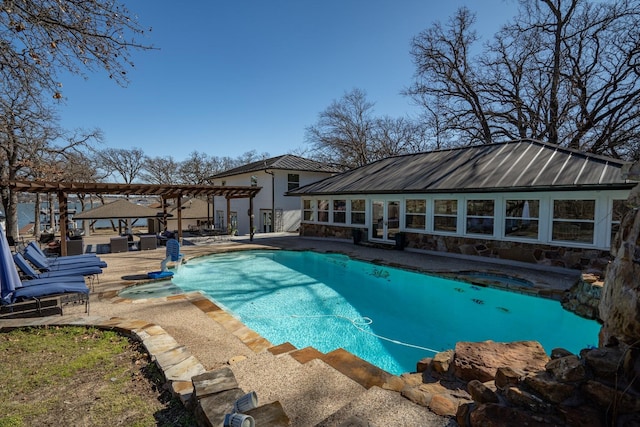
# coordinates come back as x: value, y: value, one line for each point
x: 81, y: 376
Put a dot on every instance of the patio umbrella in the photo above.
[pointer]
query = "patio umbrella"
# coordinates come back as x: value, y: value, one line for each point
x: 9, y: 278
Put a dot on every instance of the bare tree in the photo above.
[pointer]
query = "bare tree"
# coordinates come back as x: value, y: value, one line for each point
x: 395, y: 136
x: 160, y: 170
x: 197, y: 168
x: 342, y: 135
x: 27, y: 131
x: 248, y: 157
x: 446, y: 70
x: 122, y: 163
x: 564, y: 71
x: 38, y: 38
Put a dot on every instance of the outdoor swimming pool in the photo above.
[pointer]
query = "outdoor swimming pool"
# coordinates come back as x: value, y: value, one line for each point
x: 388, y: 316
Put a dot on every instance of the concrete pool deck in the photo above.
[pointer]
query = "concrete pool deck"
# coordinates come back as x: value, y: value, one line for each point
x: 311, y: 393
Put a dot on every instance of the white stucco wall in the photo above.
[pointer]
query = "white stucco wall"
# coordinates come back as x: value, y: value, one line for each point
x: 288, y: 206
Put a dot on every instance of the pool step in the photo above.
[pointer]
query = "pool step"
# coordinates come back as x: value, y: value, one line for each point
x: 312, y: 391
x: 359, y: 370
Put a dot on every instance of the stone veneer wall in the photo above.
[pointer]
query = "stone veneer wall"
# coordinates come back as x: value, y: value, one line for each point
x: 590, y: 260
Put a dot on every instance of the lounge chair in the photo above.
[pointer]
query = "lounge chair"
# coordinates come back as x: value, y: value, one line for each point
x: 67, y: 258
x: 29, y: 296
x: 51, y: 264
x: 29, y: 272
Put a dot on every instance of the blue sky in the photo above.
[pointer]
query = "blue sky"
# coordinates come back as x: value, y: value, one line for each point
x: 235, y: 76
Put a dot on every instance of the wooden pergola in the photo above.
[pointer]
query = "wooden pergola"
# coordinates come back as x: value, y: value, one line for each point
x: 165, y: 191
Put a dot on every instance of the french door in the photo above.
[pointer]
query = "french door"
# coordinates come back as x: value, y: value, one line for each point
x: 385, y: 219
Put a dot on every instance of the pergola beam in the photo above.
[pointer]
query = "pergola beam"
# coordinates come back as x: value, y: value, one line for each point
x: 165, y: 191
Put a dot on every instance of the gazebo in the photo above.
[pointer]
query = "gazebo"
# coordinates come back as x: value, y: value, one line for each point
x: 121, y: 209
x: 165, y: 191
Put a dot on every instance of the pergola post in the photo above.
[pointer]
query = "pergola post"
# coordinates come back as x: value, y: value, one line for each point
x: 62, y: 207
x: 179, y: 205
x: 228, y: 215
x: 251, y: 216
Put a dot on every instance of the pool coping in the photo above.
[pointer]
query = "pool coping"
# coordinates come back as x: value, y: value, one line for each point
x: 359, y: 370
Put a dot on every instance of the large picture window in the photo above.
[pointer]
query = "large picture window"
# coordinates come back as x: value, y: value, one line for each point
x: 307, y: 210
x: 573, y: 220
x: 445, y: 215
x: 323, y: 211
x: 480, y: 214
x: 358, y: 211
x: 521, y: 218
x: 340, y: 211
x: 416, y: 214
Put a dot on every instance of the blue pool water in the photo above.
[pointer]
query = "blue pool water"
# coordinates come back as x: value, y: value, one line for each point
x: 387, y: 316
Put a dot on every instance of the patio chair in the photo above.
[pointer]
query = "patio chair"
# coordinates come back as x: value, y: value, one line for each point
x: 148, y: 242
x: 119, y: 244
x: 75, y: 247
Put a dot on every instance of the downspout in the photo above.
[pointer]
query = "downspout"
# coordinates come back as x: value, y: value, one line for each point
x: 273, y: 199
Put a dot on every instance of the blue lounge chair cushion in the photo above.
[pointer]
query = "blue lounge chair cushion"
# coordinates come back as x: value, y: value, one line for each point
x: 44, y: 263
x: 76, y: 280
x: 37, y: 291
x: 80, y: 257
x: 28, y: 270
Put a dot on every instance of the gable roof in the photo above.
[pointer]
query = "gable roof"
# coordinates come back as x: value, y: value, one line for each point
x: 284, y: 162
x: 508, y: 166
x: 192, y: 209
x: 120, y: 209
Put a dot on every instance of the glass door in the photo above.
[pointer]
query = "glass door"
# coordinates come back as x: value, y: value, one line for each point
x: 385, y: 219
x: 265, y: 220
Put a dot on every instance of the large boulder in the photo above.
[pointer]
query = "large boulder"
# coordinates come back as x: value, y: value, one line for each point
x: 481, y: 360
x: 620, y: 303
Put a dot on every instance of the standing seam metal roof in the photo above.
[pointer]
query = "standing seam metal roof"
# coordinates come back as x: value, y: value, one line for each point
x: 284, y: 162
x: 510, y: 166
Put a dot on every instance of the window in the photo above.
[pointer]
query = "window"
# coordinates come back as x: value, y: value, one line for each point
x: 307, y: 210
x: 445, y: 215
x: 358, y: 211
x: 521, y: 218
x: 340, y: 211
x: 617, y: 213
x: 323, y: 211
x: 573, y: 220
x: 416, y: 214
x: 254, y: 181
x: 293, y: 181
x: 480, y: 216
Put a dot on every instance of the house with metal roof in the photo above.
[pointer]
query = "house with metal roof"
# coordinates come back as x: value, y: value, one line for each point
x: 525, y: 200
x: 273, y: 210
